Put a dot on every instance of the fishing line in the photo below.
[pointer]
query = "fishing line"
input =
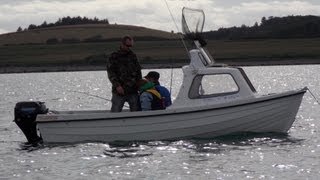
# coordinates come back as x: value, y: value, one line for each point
x: 314, y: 97
x: 171, y: 77
x: 86, y: 93
x: 313, y: 133
x: 181, y: 37
x: 93, y: 95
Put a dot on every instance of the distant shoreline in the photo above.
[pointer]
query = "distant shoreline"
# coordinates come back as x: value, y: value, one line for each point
x: 72, y: 68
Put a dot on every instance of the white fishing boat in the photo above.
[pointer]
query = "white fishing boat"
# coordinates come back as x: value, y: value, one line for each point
x: 213, y: 100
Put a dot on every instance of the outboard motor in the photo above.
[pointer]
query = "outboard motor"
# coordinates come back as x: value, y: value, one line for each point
x: 25, y: 114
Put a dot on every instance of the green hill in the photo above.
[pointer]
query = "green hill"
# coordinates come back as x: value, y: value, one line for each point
x: 80, y: 33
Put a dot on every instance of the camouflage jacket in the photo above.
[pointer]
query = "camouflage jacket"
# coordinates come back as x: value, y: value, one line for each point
x: 124, y: 70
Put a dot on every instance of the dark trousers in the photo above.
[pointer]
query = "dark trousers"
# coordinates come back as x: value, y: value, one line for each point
x: 118, y: 102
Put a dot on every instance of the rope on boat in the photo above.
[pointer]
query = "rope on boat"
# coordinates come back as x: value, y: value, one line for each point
x: 314, y: 97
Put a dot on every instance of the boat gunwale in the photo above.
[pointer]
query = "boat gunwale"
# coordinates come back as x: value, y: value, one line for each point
x: 173, y: 112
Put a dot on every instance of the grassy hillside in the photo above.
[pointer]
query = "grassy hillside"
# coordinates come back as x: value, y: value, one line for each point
x: 253, y: 52
x: 266, y: 49
x: 81, y: 32
x: 86, y: 53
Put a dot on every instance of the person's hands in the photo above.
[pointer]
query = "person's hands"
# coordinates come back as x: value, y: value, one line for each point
x: 120, y: 90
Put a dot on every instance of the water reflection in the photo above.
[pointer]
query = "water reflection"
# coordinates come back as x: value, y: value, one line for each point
x: 127, y: 150
x: 25, y: 146
x: 200, y: 148
x: 244, y: 141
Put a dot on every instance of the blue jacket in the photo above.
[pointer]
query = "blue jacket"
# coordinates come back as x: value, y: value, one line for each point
x: 150, y: 98
x: 164, y: 92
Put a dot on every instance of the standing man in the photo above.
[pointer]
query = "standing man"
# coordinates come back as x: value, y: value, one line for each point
x: 124, y: 71
x: 154, y: 76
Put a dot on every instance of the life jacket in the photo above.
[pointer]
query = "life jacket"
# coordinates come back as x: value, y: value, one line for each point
x: 157, y: 101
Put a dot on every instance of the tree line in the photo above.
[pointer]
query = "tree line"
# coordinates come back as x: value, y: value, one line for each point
x: 271, y: 27
x: 66, y: 21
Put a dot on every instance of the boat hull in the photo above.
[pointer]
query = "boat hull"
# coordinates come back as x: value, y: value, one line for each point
x: 266, y: 114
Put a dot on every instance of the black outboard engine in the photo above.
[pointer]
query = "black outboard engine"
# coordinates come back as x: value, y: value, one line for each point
x: 25, y: 114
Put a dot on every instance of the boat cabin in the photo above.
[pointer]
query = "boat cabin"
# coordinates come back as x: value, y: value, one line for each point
x: 208, y: 83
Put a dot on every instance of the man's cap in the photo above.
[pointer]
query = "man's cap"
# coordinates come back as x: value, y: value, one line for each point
x: 153, y: 74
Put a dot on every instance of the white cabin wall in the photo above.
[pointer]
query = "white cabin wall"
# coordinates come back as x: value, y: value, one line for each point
x: 196, y: 67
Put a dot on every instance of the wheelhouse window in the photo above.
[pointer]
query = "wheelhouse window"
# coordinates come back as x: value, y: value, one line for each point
x: 212, y: 85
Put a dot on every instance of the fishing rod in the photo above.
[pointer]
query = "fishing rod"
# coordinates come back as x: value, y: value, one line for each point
x: 96, y: 96
x: 181, y: 37
x: 171, y: 77
x: 177, y: 27
x: 88, y: 94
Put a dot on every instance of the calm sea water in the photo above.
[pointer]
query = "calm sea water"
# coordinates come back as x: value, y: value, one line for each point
x: 262, y: 156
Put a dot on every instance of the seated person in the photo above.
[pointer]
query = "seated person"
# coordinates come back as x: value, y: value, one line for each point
x: 150, y: 98
x: 154, y: 76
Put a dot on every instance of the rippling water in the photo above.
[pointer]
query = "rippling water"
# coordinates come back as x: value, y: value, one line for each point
x: 246, y: 156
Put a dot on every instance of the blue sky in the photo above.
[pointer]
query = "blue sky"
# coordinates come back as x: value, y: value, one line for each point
x: 150, y: 13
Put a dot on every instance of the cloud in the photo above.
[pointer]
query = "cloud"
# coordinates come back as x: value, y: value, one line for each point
x: 3, y: 31
x: 250, y: 12
x: 149, y: 13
